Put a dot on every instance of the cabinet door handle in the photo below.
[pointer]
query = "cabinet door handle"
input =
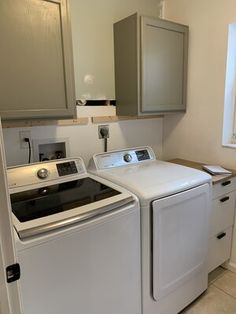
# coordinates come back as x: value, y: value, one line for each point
x: 224, y: 199
x: 221, y: 235
x: 225, y: 183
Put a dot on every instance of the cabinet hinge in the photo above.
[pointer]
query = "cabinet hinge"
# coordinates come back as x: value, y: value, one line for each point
x: 13, y: 272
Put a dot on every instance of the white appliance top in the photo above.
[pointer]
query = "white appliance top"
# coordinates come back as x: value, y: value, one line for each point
x: 59, y: 193
x: 138, y: 170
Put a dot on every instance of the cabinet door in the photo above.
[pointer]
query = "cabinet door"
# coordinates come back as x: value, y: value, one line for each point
x: 36, y: 69
x: 164, y: 63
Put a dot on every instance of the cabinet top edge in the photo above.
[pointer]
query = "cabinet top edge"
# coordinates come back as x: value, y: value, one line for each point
x: 138, y: 15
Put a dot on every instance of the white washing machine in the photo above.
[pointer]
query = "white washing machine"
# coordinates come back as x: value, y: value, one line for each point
x: 77, y: 241
x: 174, y: 224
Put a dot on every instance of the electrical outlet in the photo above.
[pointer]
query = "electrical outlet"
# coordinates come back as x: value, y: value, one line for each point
x: 23, y: 135
x: 103, y: 131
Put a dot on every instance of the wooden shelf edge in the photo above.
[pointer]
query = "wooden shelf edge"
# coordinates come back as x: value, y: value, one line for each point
x: 31, y: 123
x: 67, y: 122
x: 103, y: 119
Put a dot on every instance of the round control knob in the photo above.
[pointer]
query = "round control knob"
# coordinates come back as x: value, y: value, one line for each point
x: 42, y: 173
x: 127, y: 157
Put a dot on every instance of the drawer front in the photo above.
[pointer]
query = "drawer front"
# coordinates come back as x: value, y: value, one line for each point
x: 221, y: 188
x: 222, y: 213
x: 219, y: 249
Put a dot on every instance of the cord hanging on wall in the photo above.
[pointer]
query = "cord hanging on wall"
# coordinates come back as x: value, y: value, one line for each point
x: 27, y: 140
x: 103, y: 133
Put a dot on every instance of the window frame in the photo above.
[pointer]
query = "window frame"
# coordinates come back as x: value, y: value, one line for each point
x: 229, y: 122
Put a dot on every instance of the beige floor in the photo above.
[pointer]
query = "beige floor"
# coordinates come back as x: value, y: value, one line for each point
x: 220, y: 297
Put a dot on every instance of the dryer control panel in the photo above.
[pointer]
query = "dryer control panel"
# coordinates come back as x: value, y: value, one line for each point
x: 122, y: 158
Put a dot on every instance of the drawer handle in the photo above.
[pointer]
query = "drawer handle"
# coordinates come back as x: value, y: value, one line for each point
x: 221, y: 235
x: 226, y: 183
x: 224, y: 199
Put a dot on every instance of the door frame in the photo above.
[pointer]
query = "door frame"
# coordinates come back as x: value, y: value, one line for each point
x: 10, y: 300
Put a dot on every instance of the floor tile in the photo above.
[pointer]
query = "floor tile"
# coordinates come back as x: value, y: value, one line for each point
x: 215, y: 274
x: 214, y: 301
x: 227, y: 283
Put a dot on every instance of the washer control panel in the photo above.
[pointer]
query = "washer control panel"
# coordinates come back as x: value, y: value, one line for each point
x: 66, y: 168
x: 127, y: 158
x: 43, y: 172
x: 123, y: 157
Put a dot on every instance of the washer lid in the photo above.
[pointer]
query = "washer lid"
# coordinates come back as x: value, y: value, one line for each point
x: 59, y: 193
x: 52, y: 199
x: 63, y: 206
x: 154, y: 179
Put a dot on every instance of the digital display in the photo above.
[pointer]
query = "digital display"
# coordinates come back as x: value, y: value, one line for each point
x: 66, y: 168
x: 142, y: 155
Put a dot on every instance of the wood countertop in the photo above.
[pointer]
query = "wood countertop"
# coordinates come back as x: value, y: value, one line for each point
x: 197, y: 165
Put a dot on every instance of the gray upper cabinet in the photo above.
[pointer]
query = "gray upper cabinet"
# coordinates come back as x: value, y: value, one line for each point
x: 36, y: 65
x: 150, y: 65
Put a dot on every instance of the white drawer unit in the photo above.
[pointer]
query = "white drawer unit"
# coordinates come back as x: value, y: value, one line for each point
x: 222, y: 215
x: 224, y: 187
x: 221, y: 222
x: 219, y: 249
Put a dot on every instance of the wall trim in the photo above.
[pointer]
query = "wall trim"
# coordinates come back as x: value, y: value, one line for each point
x: 232, y: 267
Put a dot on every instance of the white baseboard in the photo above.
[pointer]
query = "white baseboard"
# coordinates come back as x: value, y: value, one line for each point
x: 231, y: 266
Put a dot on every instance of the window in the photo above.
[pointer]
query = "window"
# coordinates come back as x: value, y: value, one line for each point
x: 229, y: 127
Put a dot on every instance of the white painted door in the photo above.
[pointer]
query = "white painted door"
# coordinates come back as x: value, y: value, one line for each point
x: 9, y: 300
x: 180, y: 238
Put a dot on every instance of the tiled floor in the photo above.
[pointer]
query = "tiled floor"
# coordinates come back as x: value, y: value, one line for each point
x: 220, y: 298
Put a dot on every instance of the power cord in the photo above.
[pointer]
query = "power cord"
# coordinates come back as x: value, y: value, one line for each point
x: 27, y: 140
x: 105, y: 134
x: 105, y: 144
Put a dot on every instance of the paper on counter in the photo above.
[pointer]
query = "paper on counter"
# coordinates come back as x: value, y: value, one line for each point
x: 214, y: 169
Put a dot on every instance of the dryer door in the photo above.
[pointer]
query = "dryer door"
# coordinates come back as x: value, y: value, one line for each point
x: 180, y: 224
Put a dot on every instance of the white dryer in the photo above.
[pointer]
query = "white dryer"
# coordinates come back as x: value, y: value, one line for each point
x: 174, y: 224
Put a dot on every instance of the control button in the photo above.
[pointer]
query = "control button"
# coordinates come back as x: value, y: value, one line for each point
x: 42, y: 173
x: 127, y: 157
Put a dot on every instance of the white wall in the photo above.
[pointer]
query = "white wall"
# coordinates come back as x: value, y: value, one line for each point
x: 92, y: 30
x: 83, y: 140
x: 197, y: 135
